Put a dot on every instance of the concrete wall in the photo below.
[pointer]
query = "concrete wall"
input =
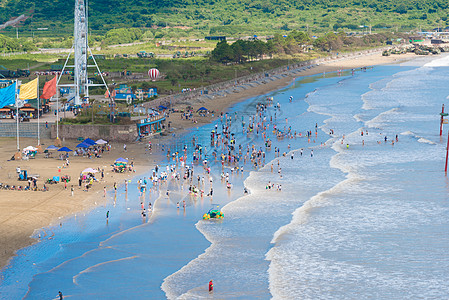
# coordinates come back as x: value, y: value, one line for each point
x: 25, y: 130
x: 123, y: 133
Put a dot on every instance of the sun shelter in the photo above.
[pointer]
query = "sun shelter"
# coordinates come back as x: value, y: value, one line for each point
x: 83, y: 145
x: 65, y: 149
x: 201, y: 109
x: 161, y: 107
x: 52, y: 147
x: 89, y: 142
x: 101, y: 142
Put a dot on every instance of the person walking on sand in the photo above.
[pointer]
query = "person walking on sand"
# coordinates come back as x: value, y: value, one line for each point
x: 71, y: 190
x: 124, y: 147
x: 211, y: 286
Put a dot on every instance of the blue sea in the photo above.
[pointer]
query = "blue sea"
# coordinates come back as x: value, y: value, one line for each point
x: 363, y: 210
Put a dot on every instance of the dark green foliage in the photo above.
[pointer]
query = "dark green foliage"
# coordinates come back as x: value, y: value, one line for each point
x: 229, y: 17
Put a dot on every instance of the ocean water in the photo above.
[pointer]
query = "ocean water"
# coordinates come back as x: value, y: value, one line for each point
x: 361, y: 218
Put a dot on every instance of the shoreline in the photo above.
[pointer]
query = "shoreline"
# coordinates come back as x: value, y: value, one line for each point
x: 41, y: 209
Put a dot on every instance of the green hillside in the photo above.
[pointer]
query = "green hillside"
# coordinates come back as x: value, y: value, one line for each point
x: 231, y: 17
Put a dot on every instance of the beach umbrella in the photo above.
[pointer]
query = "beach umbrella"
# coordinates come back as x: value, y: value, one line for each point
x: 89, y: 142
x: 121, y: 159
x: 89, y: 170
x: 201, y: 108
x: 101, y: 142
x: 65, y: 149
x: 52, y: 147
x: 83, y: 145
x: 161, y: 107
x: 153, y: 73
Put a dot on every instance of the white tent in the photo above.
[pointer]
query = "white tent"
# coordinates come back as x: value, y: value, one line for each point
x: 101, y: 142
x: 30, y: 148
x: 89, y: 170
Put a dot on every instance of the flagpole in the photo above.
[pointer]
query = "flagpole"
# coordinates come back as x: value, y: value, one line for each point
x: 17, y: 117
x: 38, y: 113
x: 57, y: 113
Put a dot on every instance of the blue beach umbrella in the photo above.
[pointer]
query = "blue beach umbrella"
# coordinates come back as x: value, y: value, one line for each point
x: 121, y: 159
x: 52, y: 147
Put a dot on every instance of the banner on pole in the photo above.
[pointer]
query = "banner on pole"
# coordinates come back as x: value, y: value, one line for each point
x: 28, y: 90
x: 8, y: 95
x: 49, y: 89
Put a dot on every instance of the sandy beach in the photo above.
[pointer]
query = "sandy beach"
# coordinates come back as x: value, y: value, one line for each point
x: 22, y: 212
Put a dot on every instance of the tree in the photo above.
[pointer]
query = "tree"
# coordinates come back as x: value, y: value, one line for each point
x: 223, y: 52
x: 237, y: 49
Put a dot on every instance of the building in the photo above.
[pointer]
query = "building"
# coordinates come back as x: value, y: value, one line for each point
x: 150, y: 125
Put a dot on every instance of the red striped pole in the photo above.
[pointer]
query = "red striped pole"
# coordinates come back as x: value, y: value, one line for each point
x: 447, y: 152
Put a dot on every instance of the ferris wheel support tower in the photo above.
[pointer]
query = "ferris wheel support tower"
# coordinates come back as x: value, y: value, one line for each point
x: 80, y: 51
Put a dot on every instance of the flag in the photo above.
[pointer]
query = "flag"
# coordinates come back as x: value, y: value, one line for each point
x: 28, y: 90
x: 49, y: 89
x: 7, y: 95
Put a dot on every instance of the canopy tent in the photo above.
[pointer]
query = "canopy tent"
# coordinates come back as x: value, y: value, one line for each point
x: 30, y: 148
x: 89, y: 142
x: 121, y: 159
x: 101, y: 142
x: 52, y: 147
x: 89, y: 170
x: 65, y: 149
x: 201, y: 108
x: 83, y: 145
